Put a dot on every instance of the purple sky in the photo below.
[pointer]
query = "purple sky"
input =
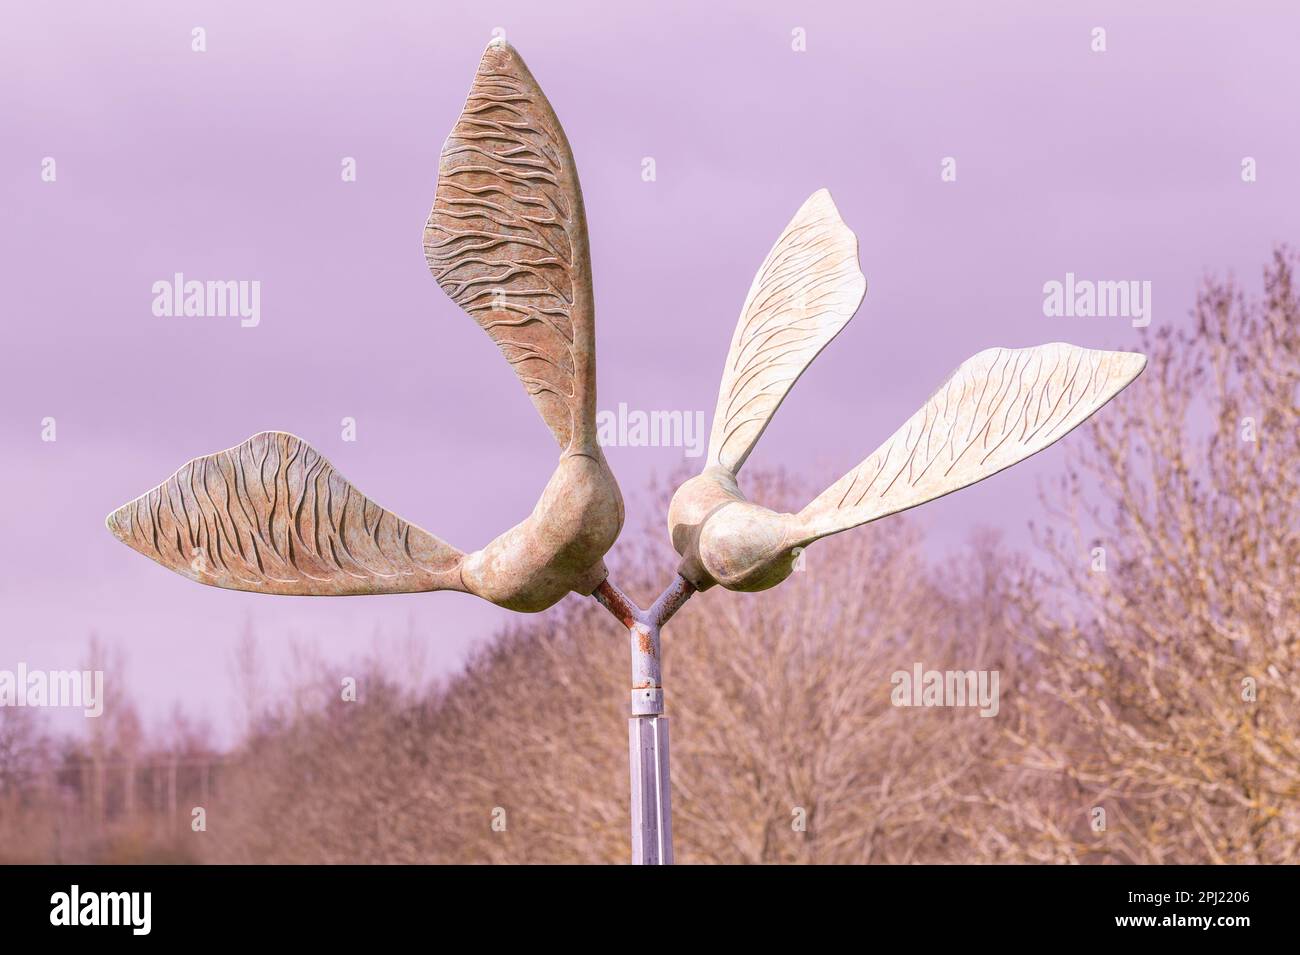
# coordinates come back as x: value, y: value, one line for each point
x: 226, y: 165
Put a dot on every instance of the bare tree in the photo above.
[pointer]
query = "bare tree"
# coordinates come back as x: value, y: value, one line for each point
x: 1168, y: 627
x: 1146, y: 656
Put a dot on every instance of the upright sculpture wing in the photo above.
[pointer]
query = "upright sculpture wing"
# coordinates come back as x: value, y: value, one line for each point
x: 507, y: 241
x: 805, y: 292
x: 272, y: 516
x: 998, y: 408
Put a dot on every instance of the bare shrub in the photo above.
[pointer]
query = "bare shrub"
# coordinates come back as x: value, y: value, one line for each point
x: 1174, y: 670
x: 1146, y: 655
x: 786, y: 745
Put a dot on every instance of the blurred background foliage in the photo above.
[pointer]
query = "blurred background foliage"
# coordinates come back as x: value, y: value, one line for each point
x: 1147, y: 651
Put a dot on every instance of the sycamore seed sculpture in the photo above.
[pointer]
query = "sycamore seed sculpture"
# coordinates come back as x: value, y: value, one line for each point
x: 507, y: 241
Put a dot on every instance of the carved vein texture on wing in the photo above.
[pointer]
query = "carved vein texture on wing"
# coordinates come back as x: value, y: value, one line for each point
x: 803, y: 295
x: 999, y: 407
x: 507, y: 241
x: 273, y: 516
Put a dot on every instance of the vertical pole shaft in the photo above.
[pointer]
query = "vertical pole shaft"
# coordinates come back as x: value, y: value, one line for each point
x: 647, y: 728
x: 652, y: 810
x: 647, y: 736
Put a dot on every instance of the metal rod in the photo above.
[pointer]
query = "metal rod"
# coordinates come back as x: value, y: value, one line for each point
x: 671, y: 600
x: 617, y: 603
x: 652, y: 812
x: 647, y: 727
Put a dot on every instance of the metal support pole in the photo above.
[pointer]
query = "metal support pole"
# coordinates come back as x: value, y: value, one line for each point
x: 652, y: 807
x: 647, y: 735
x: 647, y: 727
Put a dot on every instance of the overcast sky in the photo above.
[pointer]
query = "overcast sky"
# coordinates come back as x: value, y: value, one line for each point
x: 226, y: 165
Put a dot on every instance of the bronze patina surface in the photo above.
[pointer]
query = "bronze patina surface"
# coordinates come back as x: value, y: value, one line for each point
x: 996, y: 409
x: 507, y: 241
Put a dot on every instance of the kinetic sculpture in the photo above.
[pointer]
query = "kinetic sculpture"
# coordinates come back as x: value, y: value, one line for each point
x: 507, y: 241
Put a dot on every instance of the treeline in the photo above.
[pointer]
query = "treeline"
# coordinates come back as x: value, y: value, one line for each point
x: 1147, y: 656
